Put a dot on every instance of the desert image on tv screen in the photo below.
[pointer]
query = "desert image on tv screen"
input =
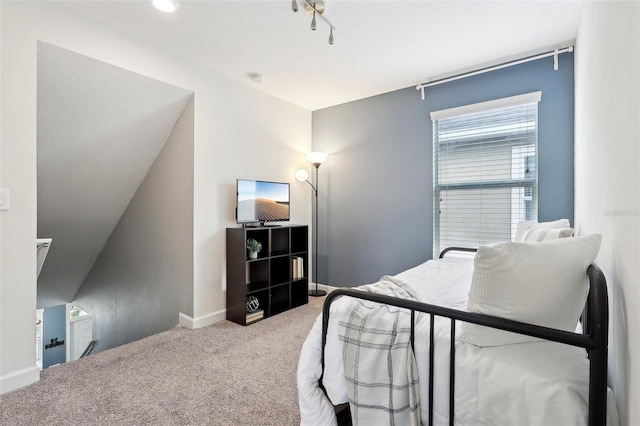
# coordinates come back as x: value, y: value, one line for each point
x: 262, y: 201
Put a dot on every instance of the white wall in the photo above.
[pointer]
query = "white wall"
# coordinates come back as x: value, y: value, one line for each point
x: 17, y: 225
x: 607, y: 176
x: 239, y: 132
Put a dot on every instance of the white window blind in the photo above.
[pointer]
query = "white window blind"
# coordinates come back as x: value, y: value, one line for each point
x: 485, y: 171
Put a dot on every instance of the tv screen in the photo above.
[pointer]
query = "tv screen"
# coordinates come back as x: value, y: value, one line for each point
x: 260, y: 201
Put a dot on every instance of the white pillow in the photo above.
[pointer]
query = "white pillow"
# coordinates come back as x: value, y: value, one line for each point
x: 536, y: 235
x: 523, y: 226
x: 541, y: 283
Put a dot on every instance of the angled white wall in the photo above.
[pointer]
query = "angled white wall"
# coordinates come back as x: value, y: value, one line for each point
x: 143, y: 278
x: 100, y: 128
x: 607, y: 177
x: 238, y: 132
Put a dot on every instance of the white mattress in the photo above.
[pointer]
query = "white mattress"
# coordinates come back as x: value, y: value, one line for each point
x: 539, y: 383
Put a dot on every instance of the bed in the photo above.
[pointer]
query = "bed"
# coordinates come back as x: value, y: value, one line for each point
x: 532, y: 354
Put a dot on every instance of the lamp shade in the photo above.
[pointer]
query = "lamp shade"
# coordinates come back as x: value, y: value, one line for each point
x: 301, y: 175
x: 317, y: 157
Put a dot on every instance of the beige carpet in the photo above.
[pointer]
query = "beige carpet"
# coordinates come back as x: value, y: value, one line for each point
x: 224, y: 374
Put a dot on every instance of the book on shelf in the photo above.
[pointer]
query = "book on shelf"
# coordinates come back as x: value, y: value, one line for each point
x: 297, y: 267
x: 254, y: 316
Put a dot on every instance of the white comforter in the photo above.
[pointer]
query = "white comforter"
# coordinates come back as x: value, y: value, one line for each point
x: 539, y: 383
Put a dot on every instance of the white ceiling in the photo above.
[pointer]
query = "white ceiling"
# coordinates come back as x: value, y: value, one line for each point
x: 380, y: 46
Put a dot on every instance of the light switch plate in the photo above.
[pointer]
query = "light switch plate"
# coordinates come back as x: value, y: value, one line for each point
x: 4, y: 199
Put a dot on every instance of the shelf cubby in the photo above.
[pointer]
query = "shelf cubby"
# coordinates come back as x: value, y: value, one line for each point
x: 279, y: 299
x: 299, y: 293
x: 262, y: 236
x: 280, y: 270
x: 280, y: 241
x: 300, y: 239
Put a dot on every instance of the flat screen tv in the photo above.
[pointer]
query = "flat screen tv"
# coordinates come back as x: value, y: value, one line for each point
x: 259, y: 202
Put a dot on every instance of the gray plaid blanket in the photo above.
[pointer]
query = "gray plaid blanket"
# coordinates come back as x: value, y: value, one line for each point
x: 374, y: 336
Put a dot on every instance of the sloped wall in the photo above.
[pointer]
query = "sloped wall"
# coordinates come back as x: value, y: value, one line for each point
x: 100, y: 128
x: 143, y: 278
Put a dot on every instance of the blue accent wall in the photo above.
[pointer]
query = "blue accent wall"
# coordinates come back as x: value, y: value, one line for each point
x: 375, y: 189
x: 55, y: 327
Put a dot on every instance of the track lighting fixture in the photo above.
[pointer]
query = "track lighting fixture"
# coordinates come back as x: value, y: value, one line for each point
x: 314, y: 8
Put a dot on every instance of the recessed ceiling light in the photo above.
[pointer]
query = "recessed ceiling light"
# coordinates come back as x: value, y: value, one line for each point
x: 168, y: 6
x: 256, y: 77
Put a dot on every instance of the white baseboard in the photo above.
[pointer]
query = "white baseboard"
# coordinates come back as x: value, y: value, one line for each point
x: 203, y: 321
x: 325, y: 287
x: 19, y: 379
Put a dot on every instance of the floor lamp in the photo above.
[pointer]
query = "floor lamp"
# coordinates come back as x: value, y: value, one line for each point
x: 316, y: 158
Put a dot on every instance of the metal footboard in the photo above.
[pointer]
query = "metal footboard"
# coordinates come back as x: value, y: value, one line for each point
x: 594, y: 337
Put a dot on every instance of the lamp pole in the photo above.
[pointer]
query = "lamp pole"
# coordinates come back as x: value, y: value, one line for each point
x: 315, y: 292
x: 315, y: 158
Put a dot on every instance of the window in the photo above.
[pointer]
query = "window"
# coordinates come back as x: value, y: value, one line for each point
x: 485, y: 171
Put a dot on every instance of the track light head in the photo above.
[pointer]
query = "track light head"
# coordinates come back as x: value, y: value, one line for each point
x: 316, y: 9
x: 311, y: 6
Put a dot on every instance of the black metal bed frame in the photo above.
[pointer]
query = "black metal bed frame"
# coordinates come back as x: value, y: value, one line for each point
x: 595, y: 324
